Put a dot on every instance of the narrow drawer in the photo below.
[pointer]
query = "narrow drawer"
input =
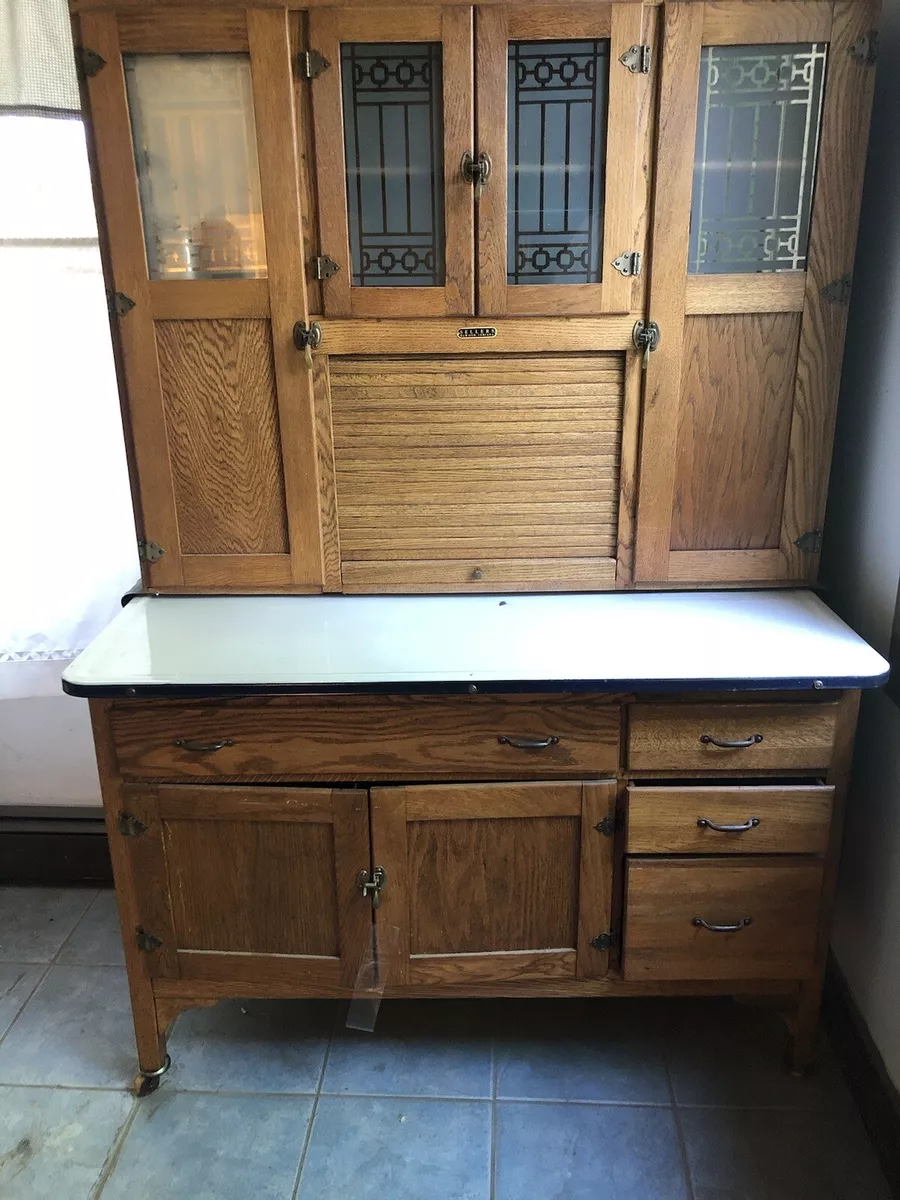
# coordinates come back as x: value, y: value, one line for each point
x: 761, y: 919
x: 731, y: 737
x: 377, y: 737
x: 745, y: 819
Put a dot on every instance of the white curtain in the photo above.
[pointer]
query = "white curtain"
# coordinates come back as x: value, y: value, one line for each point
x: 67, y: 541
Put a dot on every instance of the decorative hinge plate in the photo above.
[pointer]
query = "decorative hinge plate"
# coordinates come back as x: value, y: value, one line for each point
x: 372, y: 885
x: 810, y: 543
x: 637, y: 59
x: 865, y: 48
x: 149, y: 551
x: 629, y: 262
x: 607, y: 826
x: 325, y: 267
x: 604, y: 941
x: 838, y: 291
x: 130, y: 825
x: 88, y: 62
x: 118, y: 303
x: 148, y: 942
x: 312, y: 64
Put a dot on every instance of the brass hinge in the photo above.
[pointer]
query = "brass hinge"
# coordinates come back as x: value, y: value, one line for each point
x: 607, y: 826
x: 118, y: 304
x: 88, y: 62
x: 372, y: 885
x: 646, y: 337
x: 311, y: 64
x: 604, y: 941
x: 810, y: 543
x: 325, y: 267
x: 838, y: 291
x: 130, y: 825
x: 637, y: 59
x: 865, y: 48
x: 149, y: 551
x: 629, y: 262
x: 148, y: 942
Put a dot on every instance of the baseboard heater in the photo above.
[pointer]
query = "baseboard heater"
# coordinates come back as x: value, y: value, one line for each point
x: 53, y: 845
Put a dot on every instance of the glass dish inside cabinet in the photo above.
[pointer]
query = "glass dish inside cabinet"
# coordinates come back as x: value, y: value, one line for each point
x: 198, y: 173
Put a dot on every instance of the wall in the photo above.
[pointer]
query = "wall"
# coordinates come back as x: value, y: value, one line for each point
x: 861, y: 566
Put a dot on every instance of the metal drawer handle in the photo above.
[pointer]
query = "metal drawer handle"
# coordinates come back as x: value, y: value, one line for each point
x: 528, y: 743
x: 202, y: 747
x: 742, y: 924
x: 751, y: 824
x: 739, y: 744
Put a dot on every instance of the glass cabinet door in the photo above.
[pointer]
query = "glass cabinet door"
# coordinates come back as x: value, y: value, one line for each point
x: 561, y: 119
x: 393, y: 119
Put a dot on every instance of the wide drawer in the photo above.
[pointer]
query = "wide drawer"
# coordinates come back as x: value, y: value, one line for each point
x: 747, y: 919
x: 731, y: 737
x: 745, y: 819
x: 377, y: 737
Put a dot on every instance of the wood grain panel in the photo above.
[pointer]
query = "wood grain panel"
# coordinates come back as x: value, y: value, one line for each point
x: 794, y: 736
x: 368, y: 737
x: 767, y: 292
x: 492, y: 801
x: 595, y: 886
x: 491, y: 54
x: 734, y: 425
x: 514, y: 336
x: 665, y: 895
x: 504, y: 574
x: 539, y: 22
x: 504, y: 967
x: 459, y: 133
x: 726, y: 566
x: 191, y: 299
x: 219, y: 393
x: 206, y: 30
x: 752, y: 22
x: 793, y: 819
x: 328, y: 514
x: 147, y: 867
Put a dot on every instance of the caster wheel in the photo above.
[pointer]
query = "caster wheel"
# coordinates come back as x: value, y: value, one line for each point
x: 146, y: 1082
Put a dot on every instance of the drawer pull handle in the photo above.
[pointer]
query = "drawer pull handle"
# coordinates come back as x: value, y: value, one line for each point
x: 202, y: 747
x: 751, y: 824
x: 738, y: 925
x: 738, y: 744
x: 528, y: 743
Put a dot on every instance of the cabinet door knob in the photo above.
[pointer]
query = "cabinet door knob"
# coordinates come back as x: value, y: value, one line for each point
x: 202, y: 747
x: 478, y: 573
x: 724, y: 744
x: 528, y: 743
x: 738, y: 925
x: 751, y: 824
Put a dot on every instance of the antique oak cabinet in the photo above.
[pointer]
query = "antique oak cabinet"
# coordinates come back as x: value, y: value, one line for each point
x: 488, y: 298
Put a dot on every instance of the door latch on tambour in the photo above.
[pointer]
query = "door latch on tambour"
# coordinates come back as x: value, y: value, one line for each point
x: 307, y: 338
x: 372, y: 885
x: 646, y: 338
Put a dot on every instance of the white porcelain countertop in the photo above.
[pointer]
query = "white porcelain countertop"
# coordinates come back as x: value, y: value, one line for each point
x: 165, y: 645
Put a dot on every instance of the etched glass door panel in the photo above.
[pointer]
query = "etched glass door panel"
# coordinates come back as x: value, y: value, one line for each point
x: 557, y: 106
x: 394, y: 162
x: 195, y: 150
x: 755, y: 159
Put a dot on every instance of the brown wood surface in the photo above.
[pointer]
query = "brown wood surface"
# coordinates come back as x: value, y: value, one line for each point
x: 149, y: 874
x: 328, y: 514
x: 77, y: 6
x: 664, y: 896
x: 491, y: 801
x: 368, y: 737
x: 491, y: 75
x: 767, y: 292
x: 537, y: 22
x: 228, y: 572
x: 796, y: 736
x: 726, y: 566
x: 191, y: 299
x: 793, y: 819
x: 513, y: 335
x: 507, y: 574
x: 595, y: 882
x: 183, y: 802
x: 390, y: 852
x: 734, y: 424
x: 190, y: 30
x: 513, y: 966
x: 753, y: 22
x: 459, y: 134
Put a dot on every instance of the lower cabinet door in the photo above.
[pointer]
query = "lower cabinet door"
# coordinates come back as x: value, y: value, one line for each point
x: 721, y: 918
x: 250, y: 884
x: 493, y: 883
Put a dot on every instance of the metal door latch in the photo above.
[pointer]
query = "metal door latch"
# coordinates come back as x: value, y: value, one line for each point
x: 476, y: 171
x: 646, y: 337
x: 308, y: 338
x: 372, y: 885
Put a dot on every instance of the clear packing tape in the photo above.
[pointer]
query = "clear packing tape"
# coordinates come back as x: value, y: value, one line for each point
x: 373, y: 976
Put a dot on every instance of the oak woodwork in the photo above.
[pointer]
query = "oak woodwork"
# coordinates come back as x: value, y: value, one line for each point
x: 186, y: 30
x: 502, y: 574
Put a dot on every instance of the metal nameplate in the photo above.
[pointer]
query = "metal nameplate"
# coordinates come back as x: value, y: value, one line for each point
x: 477, y: 331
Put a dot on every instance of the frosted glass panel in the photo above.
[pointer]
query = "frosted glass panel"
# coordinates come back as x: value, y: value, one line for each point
x: 195, y: 149
x: 755, y: 158
x: 557, y: 103
x: 393, y: 133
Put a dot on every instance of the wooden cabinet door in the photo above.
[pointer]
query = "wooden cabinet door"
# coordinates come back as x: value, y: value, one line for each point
x: 564, y: 123
x: 195, y: 160
x: 761, y: 144
x: 250, y: 884
x: 392, y: 114
x: 493, y: 883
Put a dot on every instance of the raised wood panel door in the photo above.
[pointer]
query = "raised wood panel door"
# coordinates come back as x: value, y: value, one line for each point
x: 393, y: 117
x: 194, y: 139
x: 252, y: 884
x: 761, y: 140
x: 493, y: 883
x: 564, y: 124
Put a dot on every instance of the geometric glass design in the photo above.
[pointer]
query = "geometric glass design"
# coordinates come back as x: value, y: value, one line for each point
x: 755, y: 157
x: 194, y: 140
x: 557, y: 101
x: 393, y: 135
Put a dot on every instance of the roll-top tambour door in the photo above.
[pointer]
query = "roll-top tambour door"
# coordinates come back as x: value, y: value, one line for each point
x: 760, y: 151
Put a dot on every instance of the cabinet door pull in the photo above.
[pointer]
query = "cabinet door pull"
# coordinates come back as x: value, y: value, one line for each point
x: 528, y: 743
x: 738, y: 925
x: 738, y: 744
x: 751, y: 824
x: 202, y: 747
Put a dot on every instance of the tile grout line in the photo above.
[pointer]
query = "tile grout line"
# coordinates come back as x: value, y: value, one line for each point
x: 676, y: 1117
x: 315, y: 1108
x: 53, y: 961
x: 492, y: 1181
x: 44, y: 969
x: 112, y: 1159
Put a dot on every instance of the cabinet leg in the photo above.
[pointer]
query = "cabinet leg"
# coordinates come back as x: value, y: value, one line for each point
x: 803, y: 1046
x: 153, y: 1061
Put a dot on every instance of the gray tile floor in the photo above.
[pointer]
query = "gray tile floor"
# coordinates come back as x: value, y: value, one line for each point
x: 561, y: 1100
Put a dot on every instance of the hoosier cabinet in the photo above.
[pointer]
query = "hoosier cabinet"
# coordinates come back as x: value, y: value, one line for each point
x: 478, y: 300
